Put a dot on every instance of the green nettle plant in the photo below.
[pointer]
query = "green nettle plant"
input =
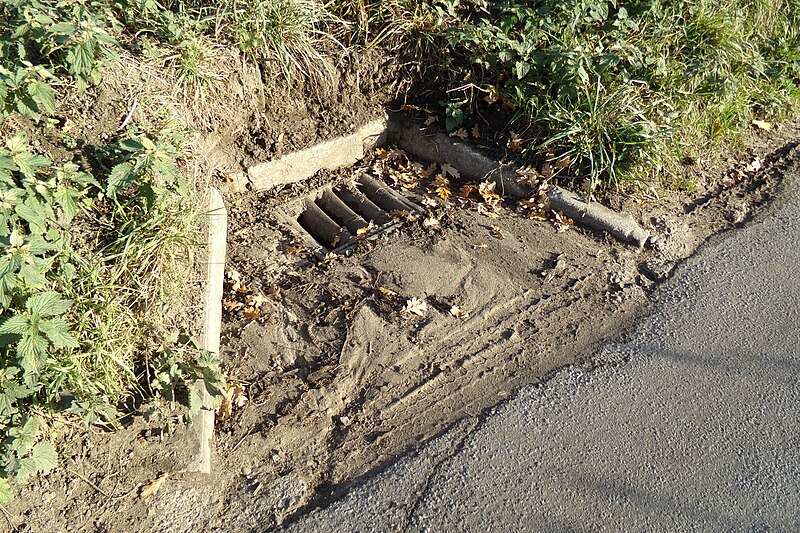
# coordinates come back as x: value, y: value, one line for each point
x: 41, y: 39
x: 51, y: 356
x: 37, y: 204
x: 146, y: 164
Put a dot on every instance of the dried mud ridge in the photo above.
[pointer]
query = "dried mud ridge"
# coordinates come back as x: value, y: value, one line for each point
x: 340, y: 381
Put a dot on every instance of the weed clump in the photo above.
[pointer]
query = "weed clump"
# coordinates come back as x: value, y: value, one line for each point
x: 626, y: 88
x: 93, y: 253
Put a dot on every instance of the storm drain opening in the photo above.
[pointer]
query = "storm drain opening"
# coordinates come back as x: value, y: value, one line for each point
x: 333, y: 219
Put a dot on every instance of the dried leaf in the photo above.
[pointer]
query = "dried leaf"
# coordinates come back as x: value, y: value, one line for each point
x: 234, y: 397
x: 441, y: 187
x: 461, y: 133
x: 415, y: 306
x: 467, y: 190
x: 362, y: 232
x: 409, y: 107
x: 433, y: 119
x: 562, y: 222
x: 507, y: 103
x: 487, y: 190
x: 151, y: 489
x: 563, y: 163
x: 762, y: 125
x: 252, y: 313
x: 232, y: 306
x: 429, y: 170
x: 448, y: 169
x: 294, y: 250
x: 547, y: 171
x: 432, y: 222
x: 496, y: 232
x: 427, y: 201
x: 388, y: 293
x: 476, y: 132
x: 257, y: 300
x: 754, y: 166
x: 486, y: 210
x: 514, y: 143
x: 558, y: 269
x: 528, y: 176
x: 457, y: 312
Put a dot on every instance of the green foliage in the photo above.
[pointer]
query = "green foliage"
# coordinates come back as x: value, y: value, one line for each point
x: 91, y: 258
x: 618, y: 84
x: 27, y: 452
x: 6, y: 494
x: 24, y: 89
x: 178, y: 367
x: 147, y: 166
x: 454, y: 114
x: 37, y: 203
x: 70, y: 316
x: 288, y: 33
x: 65, y: 36
x: 40, y: 40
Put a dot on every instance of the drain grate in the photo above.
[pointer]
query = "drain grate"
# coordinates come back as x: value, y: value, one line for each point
x: 334, y: 218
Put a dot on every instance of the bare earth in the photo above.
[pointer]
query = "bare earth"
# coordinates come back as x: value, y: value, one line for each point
x: 340, y: 382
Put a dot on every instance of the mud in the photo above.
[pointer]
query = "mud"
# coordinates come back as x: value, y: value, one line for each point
x: 339, y: 380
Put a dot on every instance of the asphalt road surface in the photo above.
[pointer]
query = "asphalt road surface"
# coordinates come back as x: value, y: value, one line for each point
x: 693, y: 424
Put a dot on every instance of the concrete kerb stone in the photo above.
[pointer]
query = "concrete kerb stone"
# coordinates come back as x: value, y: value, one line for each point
x: 330, y: 155
x: 203, y: 425
x: 440, y: 148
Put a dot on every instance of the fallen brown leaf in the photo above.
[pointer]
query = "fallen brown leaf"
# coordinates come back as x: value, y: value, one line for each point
x: 409, y: 107
x: 427, y: 201
x: 234, y: 397
x: 562, y: 222
x: 457, y: 312
x: 754, y: 166
x: 528, y: 176
x: 467, y: 190
x: 432, y: 222
x: 415, y: 306
x: 294, y: 250
x: 428, y: 171
x: 252, y: 313
x: 232, y: 306
x: 461, y: 133
x: 514, y: 142
x: 487, y: 189
x: 558, y: 269
x: 151, y: 489
x: 448, y: 169
x: 388, y: 293
x: 762, y: 125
